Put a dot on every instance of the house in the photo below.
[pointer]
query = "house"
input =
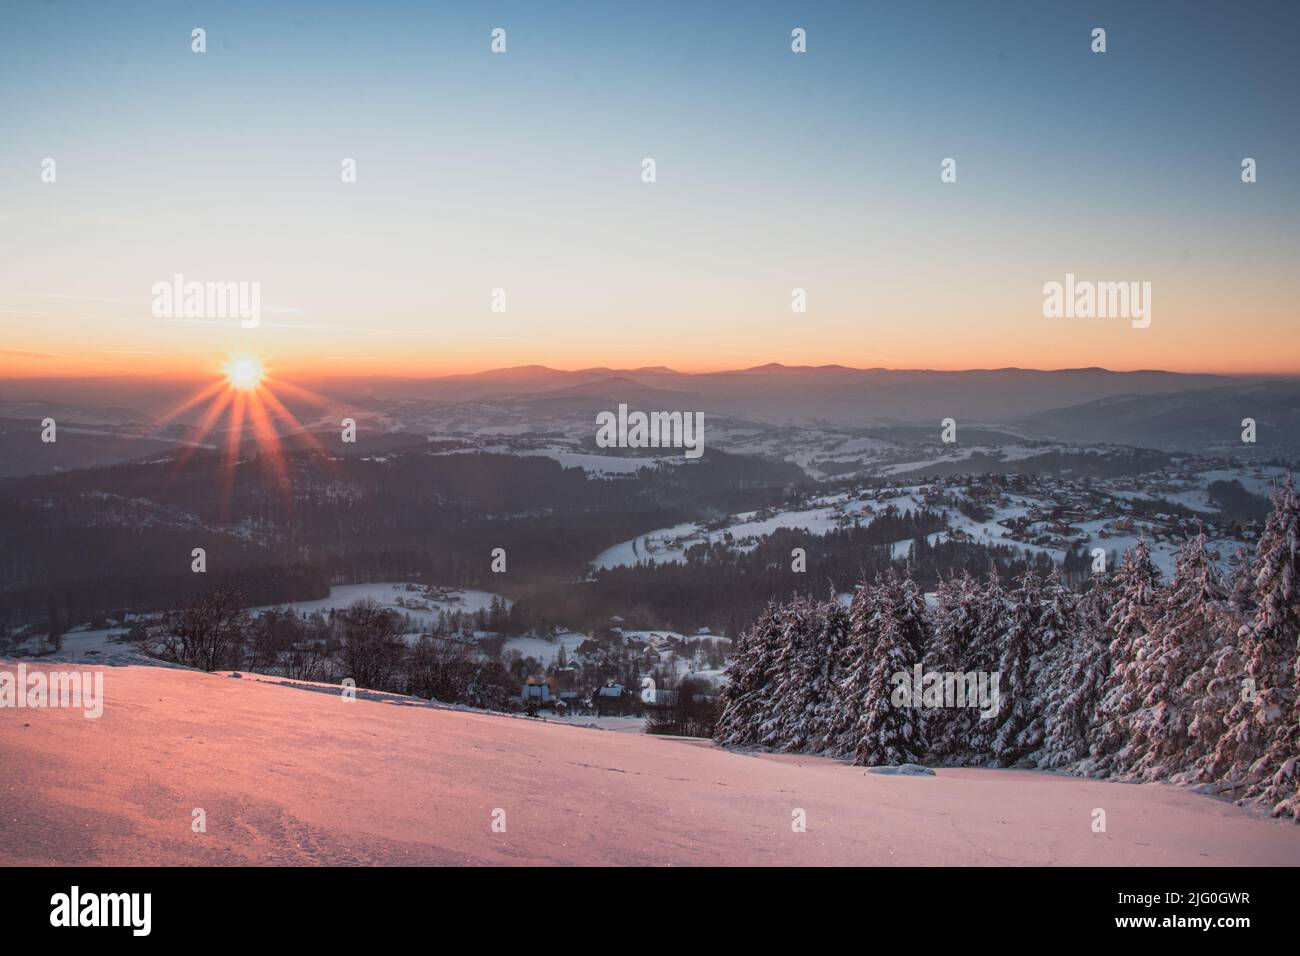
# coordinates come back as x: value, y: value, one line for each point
x: 662, y: 697
x: 615, y: 701
x: 536, y: 691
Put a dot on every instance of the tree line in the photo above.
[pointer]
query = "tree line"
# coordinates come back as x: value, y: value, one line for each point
x: 1195, y: 681
x: 102, y: 541
x: 365, y: 643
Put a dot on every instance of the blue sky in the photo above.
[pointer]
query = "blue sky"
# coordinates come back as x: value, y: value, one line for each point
x: 774, y: 170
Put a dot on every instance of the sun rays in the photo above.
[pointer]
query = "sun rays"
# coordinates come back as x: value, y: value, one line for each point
x: 242, y: 404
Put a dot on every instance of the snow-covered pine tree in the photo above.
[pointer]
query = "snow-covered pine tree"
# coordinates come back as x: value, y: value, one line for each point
x: 993, y: 613
x: 833, y: 642
x: 805, y: 691
x: 1060, y: 612
x: 1241, y: 587
x: 1018, y: 724
x: 787, y: 702
x: 1216, y: 686
x: 1076, y: 672
x: 917, y: 623
x: 1275, y: 639
x: 956, y: 628
x: 890, y: 729
x: 1266, y: 680
x: 1136, y: 601
x: 1055, y: 636
x: 743, y: 701
x: 1185, y: 638
x: 865, y: 614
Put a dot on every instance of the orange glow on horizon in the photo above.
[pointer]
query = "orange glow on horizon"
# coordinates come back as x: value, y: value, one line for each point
x: 251, y: 373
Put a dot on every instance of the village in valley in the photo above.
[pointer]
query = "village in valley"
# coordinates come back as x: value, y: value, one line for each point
x: 625, y: 669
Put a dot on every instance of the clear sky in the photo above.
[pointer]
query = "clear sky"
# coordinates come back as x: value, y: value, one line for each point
x: 522, y: 171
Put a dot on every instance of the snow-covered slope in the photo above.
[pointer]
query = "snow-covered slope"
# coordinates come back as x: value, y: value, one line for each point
x: 292, y: 777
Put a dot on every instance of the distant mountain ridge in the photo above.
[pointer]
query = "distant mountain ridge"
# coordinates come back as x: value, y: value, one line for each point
x: 831, y: 393
x: 1184, y: 419
x: 838, y: 394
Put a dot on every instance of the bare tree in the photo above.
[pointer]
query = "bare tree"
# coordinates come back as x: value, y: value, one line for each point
x: 208, y: 632
x: 439, y: 669
x: 283, y: 643
x: 372, y: 646
x: 452, y: 672
x: 687, y: 710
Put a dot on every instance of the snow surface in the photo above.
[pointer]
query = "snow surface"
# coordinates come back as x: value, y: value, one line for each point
x: 904, y: 770
x: 545, y: 651
x: 596, y: 464
x: 669, y: 545
x: 291, y: 777
x: 87, y: 645
x: 385, y: 595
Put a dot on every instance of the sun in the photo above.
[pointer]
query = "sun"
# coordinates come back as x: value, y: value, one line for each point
x: 242, y: 402
x: 244, y: 372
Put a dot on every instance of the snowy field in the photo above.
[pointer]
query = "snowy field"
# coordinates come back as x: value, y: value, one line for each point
x: 545, y: 651
x: 592, y: 463
x: 386, y: 595
x: 619, y: 725
x: 826, y: 513
x: 595, y: 464
x: 108, y: 644
x: 288, y: 776
x: 669, y: 545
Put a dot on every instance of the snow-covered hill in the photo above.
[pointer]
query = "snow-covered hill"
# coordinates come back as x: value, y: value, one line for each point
x: 287, y: 776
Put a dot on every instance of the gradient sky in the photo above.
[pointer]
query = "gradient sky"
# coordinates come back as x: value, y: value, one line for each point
x: 522, y: 171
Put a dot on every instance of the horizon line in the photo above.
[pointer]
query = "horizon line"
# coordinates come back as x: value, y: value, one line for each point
x: 506, y: 370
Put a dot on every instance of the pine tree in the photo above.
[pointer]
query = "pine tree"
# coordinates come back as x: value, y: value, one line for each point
x: 1185, y: 638
x: 793, y: 720
x: 1039, y: 618
x: 915, y: 621
x: 1216, y: 686
x: 855, y: 667
x: 777, y: 691
x: 956, y: 628
x: 1076, y: 674
x: 1130, y: 622
x: 1241, y: 588
x: 890, y: 731
x: 993, y: 612
x: 1243, y: 755
x: 832, y: 644
x: 1275, y: 663
x: 1048, y: 611
x: 743, y: 703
